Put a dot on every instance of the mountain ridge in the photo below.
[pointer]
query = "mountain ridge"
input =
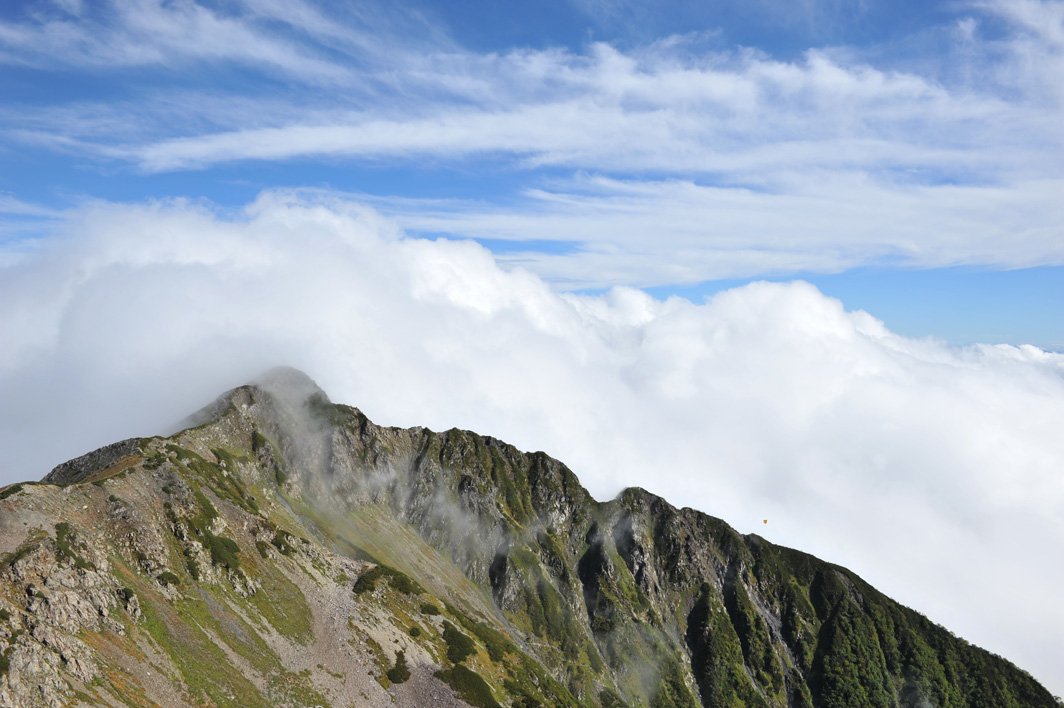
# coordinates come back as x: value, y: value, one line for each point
x: 629, y: 601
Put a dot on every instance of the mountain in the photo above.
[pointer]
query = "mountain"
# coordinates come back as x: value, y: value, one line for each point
x: 285, y: 551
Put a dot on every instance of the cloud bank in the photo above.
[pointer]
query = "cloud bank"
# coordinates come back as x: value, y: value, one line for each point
x: 932, y: 471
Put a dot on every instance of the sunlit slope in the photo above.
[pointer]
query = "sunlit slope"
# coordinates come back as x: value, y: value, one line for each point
x: 285, y: 550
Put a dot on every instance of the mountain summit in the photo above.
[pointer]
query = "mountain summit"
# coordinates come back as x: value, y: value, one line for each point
x: 283, y: 550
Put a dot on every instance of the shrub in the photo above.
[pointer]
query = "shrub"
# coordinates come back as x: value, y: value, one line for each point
x: 399, y: 672
x: 223, y: 551
x: 367, y: 582
x: 64, y: 538
x: 404, y: 584
x: 258, y: 441
x: 521, y: 695
x: 609, y: 699
x: 167, y: 578
x: 282, y: 541
x: 427, y: 608
x: 459, y: 646
x: 470, y: 688
x: 415, y: 631
x: 193, y: 569
x: 13, y: 489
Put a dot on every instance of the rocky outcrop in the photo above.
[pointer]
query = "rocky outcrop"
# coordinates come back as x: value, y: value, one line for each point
x: 80, y: 468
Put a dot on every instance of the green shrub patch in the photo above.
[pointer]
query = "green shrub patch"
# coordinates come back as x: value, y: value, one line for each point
x: 400, y: 672
x: 459, y: 646
x: 469, y: 686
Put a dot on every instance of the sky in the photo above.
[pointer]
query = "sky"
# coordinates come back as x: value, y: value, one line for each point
x: 801, y: 260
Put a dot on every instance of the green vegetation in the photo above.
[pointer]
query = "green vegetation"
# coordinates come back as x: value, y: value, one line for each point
x: 470, y: 687
x: 5, y: 662
x: 25, y: 548
x: 758, y: 652
x: 64, y: 540
x: 659, y: 619
x: 494, y: 641
x: 400, y: 672
x: 224, y: 481
x: 258, y: 441
x: 521, y: 696
x: 716, y: 656
x: 282, y: 541
x: 609, y: 699
x: 459, y: 646
x: 223, y: 551
x: 367, y: 582
x: 282, y: 604
x: 202, y: 664
x: 672, y: 692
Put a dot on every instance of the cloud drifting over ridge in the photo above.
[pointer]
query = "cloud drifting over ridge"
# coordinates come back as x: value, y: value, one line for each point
x: 932, y: 471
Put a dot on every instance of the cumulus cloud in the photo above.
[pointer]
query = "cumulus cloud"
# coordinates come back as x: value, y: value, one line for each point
x: 932, y: 471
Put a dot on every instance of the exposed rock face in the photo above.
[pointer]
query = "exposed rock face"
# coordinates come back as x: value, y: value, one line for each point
x: 285, y: 550
x: 80, y: 468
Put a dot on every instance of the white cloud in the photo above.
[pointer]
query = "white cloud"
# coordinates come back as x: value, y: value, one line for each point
x: 730, y: 115
x: 151, y: 32
x: 664, y: 232
x: 932, y: 471
x: 738, y: 163
x: 667, y: 106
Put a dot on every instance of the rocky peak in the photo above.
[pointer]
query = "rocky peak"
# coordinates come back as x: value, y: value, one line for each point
x: 301, y: 548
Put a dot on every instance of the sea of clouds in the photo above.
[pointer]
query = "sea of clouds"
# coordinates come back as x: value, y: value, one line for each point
x: 932, y: 471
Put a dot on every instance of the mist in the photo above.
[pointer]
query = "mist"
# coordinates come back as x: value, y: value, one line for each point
x: 932, y: 471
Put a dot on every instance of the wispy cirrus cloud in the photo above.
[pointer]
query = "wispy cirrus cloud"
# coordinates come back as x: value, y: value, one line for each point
x: 728, y: 114
x: 144, y: 33
x: 671, y: 107
x: 743, y: 163
x: 822, y: 222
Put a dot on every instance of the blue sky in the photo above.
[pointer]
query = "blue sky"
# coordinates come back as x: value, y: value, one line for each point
x: 581, y: 226
x: 902, y: 156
